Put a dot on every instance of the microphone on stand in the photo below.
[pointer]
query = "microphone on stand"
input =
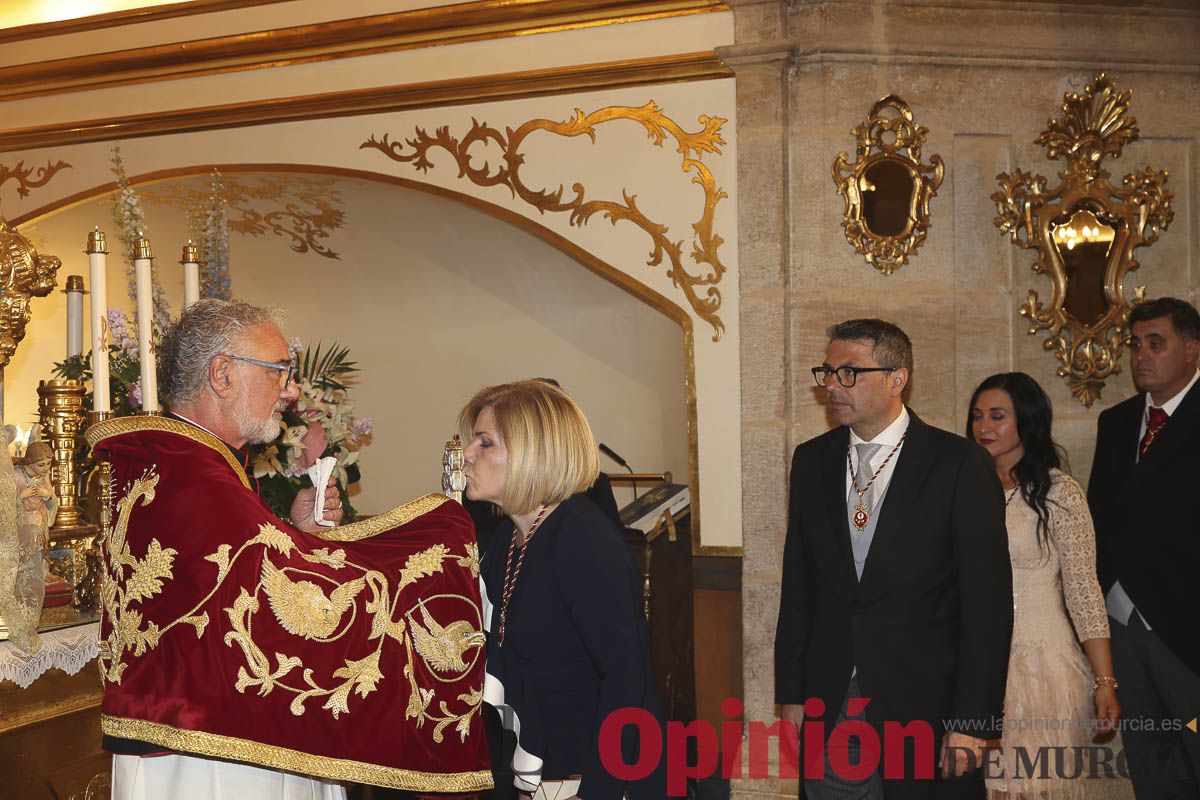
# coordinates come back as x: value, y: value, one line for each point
x: 615, y: 456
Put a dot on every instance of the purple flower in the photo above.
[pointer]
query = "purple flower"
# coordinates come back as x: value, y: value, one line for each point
x: 363, y: 427
x: 135, y: 394
x: 119, y: 331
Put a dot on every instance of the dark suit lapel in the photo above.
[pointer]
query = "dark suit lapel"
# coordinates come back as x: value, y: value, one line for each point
x: 833, y: 479
x: 911, y: 464
x: 1126, y: 428
x: 1175, y: 434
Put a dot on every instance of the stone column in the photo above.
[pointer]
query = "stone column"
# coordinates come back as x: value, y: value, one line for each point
x: 761, y: 59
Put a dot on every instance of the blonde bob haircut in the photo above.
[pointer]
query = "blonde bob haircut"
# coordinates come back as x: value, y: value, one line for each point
x: 551, y: 450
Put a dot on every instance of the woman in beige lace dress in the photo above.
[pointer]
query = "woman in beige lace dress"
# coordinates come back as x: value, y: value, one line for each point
x: 1060, y: 699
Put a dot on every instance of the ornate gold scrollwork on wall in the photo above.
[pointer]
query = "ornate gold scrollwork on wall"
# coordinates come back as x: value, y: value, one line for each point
x: 302, y: 210
x: 887, y: 191
x: 1085, y: 231
x: 23, y: 175
x: 701, y: 290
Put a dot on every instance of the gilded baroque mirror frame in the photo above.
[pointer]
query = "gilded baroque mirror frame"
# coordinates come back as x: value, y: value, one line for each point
x: 887, y: 189
x: 1085, y: 231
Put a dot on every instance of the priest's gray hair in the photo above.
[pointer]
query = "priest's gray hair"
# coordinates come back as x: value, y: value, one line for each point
x: 205, y: 330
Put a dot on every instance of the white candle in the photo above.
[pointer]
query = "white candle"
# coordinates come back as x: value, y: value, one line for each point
x: 74, y: 294
x: 101, y: 337
x: 191, y: 274
x: 143, y: 259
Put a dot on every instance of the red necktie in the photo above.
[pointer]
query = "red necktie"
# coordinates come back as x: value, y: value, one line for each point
x: 1158, y: 418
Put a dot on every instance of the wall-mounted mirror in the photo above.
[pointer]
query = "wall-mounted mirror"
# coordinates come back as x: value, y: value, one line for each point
x: 1085, y: 231
x: 1083, y: 239
x: 887, y: 189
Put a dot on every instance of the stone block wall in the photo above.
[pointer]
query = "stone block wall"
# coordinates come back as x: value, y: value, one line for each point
x: 983, y: 76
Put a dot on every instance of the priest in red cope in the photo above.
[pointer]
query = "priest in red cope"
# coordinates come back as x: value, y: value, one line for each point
x: 248, y: 656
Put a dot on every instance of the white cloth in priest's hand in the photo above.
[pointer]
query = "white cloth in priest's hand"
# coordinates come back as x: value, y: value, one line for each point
x: 319, y: 474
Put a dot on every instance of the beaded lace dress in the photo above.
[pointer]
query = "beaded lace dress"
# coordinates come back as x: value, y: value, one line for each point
x: 1048, y: 702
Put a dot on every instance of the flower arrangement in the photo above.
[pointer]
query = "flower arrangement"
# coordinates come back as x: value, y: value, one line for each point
x: 320, y: 423
x: 210, y: 225
x: 131, y: 223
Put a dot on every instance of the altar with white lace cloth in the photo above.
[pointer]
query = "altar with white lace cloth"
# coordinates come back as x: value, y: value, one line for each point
x: 67, y: 649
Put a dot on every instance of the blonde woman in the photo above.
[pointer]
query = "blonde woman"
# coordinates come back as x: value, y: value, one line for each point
x: 567, y: 643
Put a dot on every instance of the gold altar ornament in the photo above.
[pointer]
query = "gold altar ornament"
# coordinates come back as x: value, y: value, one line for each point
x: 23, y: 275
x: 454, y: 481
x: 1085, y: 231
x: 61, y: 414
x: 141, y: 247
x: 95, y: 242
x: 191, y: 254
x: 887, y: 189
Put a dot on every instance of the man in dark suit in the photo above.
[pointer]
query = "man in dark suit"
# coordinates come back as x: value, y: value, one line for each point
x: 1144, y: 500
x: 896, y: 578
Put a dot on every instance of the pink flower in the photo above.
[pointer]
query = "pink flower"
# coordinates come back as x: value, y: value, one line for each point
x: 315, y: 441
x: 135, y: 395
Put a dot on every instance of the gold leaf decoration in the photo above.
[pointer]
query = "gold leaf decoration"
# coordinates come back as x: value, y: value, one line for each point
x: 699, y: 288
x: 221, y: 559
x: 149, y: 572
x: 274, y: 538
x: 23, y: 175
x: 200, y: 622
x: 1095, y: 126
x: 145, y: 579
x: 423, y: 564
x: 471, y: 559
x: 309, y: 605
x: 302, y: 210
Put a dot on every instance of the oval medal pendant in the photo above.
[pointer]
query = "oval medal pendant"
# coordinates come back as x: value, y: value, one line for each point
x: 861, y: 517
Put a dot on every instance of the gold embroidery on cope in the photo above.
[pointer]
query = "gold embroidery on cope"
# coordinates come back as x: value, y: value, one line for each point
x: 306, y: 609
x: 228, y: 747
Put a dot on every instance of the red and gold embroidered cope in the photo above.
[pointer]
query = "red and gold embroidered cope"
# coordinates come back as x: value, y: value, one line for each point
x: 354, y: 654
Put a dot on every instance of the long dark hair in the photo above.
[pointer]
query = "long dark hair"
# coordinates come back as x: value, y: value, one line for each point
x: 1034, y: 417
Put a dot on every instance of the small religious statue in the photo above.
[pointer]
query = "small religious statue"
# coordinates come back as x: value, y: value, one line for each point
x: 23, y: 546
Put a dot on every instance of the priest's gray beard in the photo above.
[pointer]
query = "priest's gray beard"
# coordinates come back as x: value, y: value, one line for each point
x: 256, y: 430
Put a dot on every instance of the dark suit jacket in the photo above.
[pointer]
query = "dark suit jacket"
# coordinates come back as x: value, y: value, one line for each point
x: 576, y: 646
x: 1147, y: 517
x: 929, y: 624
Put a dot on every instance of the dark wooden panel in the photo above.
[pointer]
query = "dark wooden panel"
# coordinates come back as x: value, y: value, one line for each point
x: 671, y: 636
x: 50, y: 738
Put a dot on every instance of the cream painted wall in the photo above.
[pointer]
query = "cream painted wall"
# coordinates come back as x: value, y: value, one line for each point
x: 435, y: 300
x: 622, y: 159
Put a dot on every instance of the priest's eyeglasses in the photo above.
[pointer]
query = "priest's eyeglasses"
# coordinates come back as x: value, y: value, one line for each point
x: 846, y: 376
x: 289, y: 368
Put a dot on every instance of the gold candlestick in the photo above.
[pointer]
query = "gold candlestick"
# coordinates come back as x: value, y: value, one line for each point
x: 60, y: 411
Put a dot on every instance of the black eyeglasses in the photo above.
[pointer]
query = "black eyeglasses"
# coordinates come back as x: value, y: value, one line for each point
x: 846, y: 376
x: 290, y: 369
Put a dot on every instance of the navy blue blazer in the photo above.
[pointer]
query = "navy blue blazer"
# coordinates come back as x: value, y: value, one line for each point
x: 576, y: 646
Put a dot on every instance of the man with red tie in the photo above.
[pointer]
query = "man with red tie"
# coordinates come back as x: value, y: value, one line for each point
x: 1144, y: 500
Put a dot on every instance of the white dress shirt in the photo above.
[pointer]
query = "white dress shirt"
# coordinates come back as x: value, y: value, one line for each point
x: 889, y: 437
